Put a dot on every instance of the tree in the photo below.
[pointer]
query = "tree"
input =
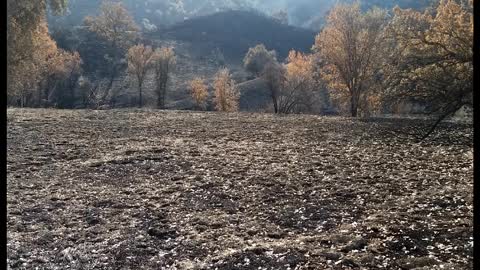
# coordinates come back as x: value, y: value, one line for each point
x: 298, y: 84
x: 63, y: 79
x: 199, y: 92
x: 274, y: 76
x: 432, y: 57
x: 27, y: 37
x: 114, y: 25
x: 58, y: 78
x: 226, y: 94
x: 139, y: 62
x: 49, y: 68
x: 257, y: 58
x: 43, y: 63
x: 350, y: 44
x: 164, y: 61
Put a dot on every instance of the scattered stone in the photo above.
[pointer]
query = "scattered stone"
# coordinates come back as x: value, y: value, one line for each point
x: 358, y: 244
x: 416, y: 262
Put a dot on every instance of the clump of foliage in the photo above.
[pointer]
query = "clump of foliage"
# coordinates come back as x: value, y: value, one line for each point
x: 199, y: 92
x: 299, y: 83
x: 226, y: 94
x: 257, y: 58
x: 431, y: 57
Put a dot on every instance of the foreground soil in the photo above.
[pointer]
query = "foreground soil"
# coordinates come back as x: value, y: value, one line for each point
x: 182, y: 190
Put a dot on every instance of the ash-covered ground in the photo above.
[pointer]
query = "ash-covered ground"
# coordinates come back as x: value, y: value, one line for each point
x: 126, y: 189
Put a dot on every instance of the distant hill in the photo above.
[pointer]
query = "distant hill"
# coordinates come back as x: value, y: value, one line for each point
x: 162, y: 13
x: 233, y: 32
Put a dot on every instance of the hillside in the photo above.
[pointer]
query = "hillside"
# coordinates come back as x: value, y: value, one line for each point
x: 162, y: 13
x: 233, y: 32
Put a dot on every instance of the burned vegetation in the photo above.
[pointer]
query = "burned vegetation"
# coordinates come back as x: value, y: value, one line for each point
x: 126, y: 189
x: 181, y: 134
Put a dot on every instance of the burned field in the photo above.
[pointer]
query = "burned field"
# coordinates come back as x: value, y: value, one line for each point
x: 126, y: 189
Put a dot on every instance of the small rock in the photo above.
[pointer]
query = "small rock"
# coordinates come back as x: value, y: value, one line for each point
x: 276, y: 235
x: 162, y: 233
x: 412, y: 263
x: 92, y: 220
x: 331, y: 256
x: 350, y: 263
x: 355, y: 245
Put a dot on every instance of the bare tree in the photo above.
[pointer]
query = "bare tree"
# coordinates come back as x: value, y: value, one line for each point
x: 115, y: 25
x: 274, y: 76
x: 139, y: 62
x: 163, y: 62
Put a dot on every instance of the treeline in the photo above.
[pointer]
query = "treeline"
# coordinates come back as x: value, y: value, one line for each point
x: 367, y: 60
x: 374, y: 59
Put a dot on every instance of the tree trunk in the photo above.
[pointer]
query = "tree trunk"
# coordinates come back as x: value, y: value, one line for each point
x: 139, y: 95
x: 164, y: 93
x: 107, y: 90
x: 354, y: 105
x: 159, y: 98
x: 46, y: 98
x: 275, y: 103
x: 40, y: 94
x: 448, y: 112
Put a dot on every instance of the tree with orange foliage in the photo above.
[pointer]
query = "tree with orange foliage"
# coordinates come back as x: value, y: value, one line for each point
x: 226, y: 94
x: 431, y: 57
x: 199, y: 92
x: 27, y: 38
x: 351, y: 46
x: 140, y: 59
x: 299, y: 83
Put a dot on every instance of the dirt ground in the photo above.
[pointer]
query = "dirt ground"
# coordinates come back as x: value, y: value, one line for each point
x: 126, y: 189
